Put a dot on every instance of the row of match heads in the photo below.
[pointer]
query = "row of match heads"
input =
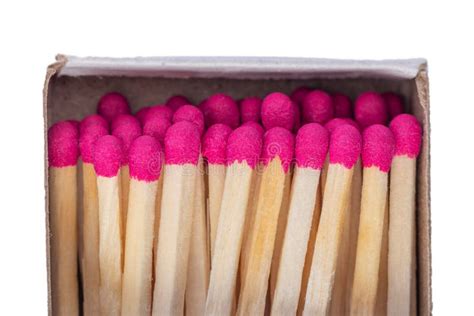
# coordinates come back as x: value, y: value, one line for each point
x: 224, y: 131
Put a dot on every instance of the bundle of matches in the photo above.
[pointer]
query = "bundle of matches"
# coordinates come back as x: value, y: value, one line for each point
x: 282, y: 205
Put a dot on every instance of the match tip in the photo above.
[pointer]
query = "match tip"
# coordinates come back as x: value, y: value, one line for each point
x: 299, y: 94
x: 311, y: 146
x: 257, y: 126
x: 370, y: 109
x: 191, y: 114
x: 278, y: 111
x: 408, y: 133
x: 342, y: 105
x: 214, y: 143
x: 127, y: 128
x: 93, y: 119
x: 394, y: 103
x: 378, y: 148
x: 156, y: 127
x: 108, y: 156
x: 176, y: 101
x: 145, y: 158
x: 63, y: 149
x: 317, y: 107
x: 87, y: 140
x: 111, y: 105
x: 250, y: 109
x: 244, y: 144
x: 182, y: 144
x: 141, y: 114
x: 221, y: 108
x: 159, y: 111
x: 345, y: 146
x: 336, y: 122
x: 278, y: 142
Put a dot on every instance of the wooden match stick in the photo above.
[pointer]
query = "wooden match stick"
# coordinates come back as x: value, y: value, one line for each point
x: 127, y: 128
x: 63, y: 153
x: 107, y: 160
x: 401, y: 261
x: 243, y: 150
x: 377, y: 156
x: 214, y: 150
x: 112, y: 105
x: 182, y: 146
x: 145, y: 160
x: 344, y: 150
x: 90, y: 227
x: 277, y: 155
x: 199, y: 256
x: 310, y: 152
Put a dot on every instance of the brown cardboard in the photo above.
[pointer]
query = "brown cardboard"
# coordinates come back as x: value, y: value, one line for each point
x: 74, y: 85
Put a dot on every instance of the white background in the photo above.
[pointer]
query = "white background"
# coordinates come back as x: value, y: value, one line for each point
x: 31, y: 33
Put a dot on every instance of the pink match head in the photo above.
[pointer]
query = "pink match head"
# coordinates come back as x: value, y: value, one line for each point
x: 221, y: 108
x: 176, y: 101
x: 87, y: 140
x: 278, y: 111
x: 299, y: 94
x: 63, y: 148
x: 278, y: 142
x: 126, y: 130
x: 317, y: 107
x: 182, y: 144
x: 311, y: 146
x: 191, y: 114
x: 407, y: 132
x: 93, y: 119
x: 146, y: 159
x: 250, y: 109
x: 76, y: 123
x: 394, y: 103
x: 156, y: 127
x: 345, y: 146
x: 369, y: 109
x: 214, y: 143
x: 336, y: 122
x: 297, y: 116
x: 159, y: 111
x: 141, y: 114
x: 378, y: 148
x: 108, y: 156
x: 255, y: 125
x: 123, y: 119
x: 244, y: 144
x: 111, y: 105
x: 342, y: 105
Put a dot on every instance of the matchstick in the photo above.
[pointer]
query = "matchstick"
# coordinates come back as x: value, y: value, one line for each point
x: 214, y: 151
x: 199, y: 256
x: 394, y: 103
x: 176, y: 101
x: 182, y: 146
x: 369, y: 109
x: 112, y: 105
x: 250, y: 109
x: 401, y: 261
x: 310, y: 152
x: 221, y: 108
x: 344, y: 150
x: 90, y: 227
x: 107, y: 160
x: 63, y: 153
x: 277, y: 155
x: 127, y: 128
x: 243, y: 150
x: 317, y: 107
x: 342, y: 105
x: 377, y: 156
x: 145, y: 160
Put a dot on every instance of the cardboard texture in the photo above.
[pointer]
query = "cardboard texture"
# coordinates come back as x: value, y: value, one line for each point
x: 74, y: 85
